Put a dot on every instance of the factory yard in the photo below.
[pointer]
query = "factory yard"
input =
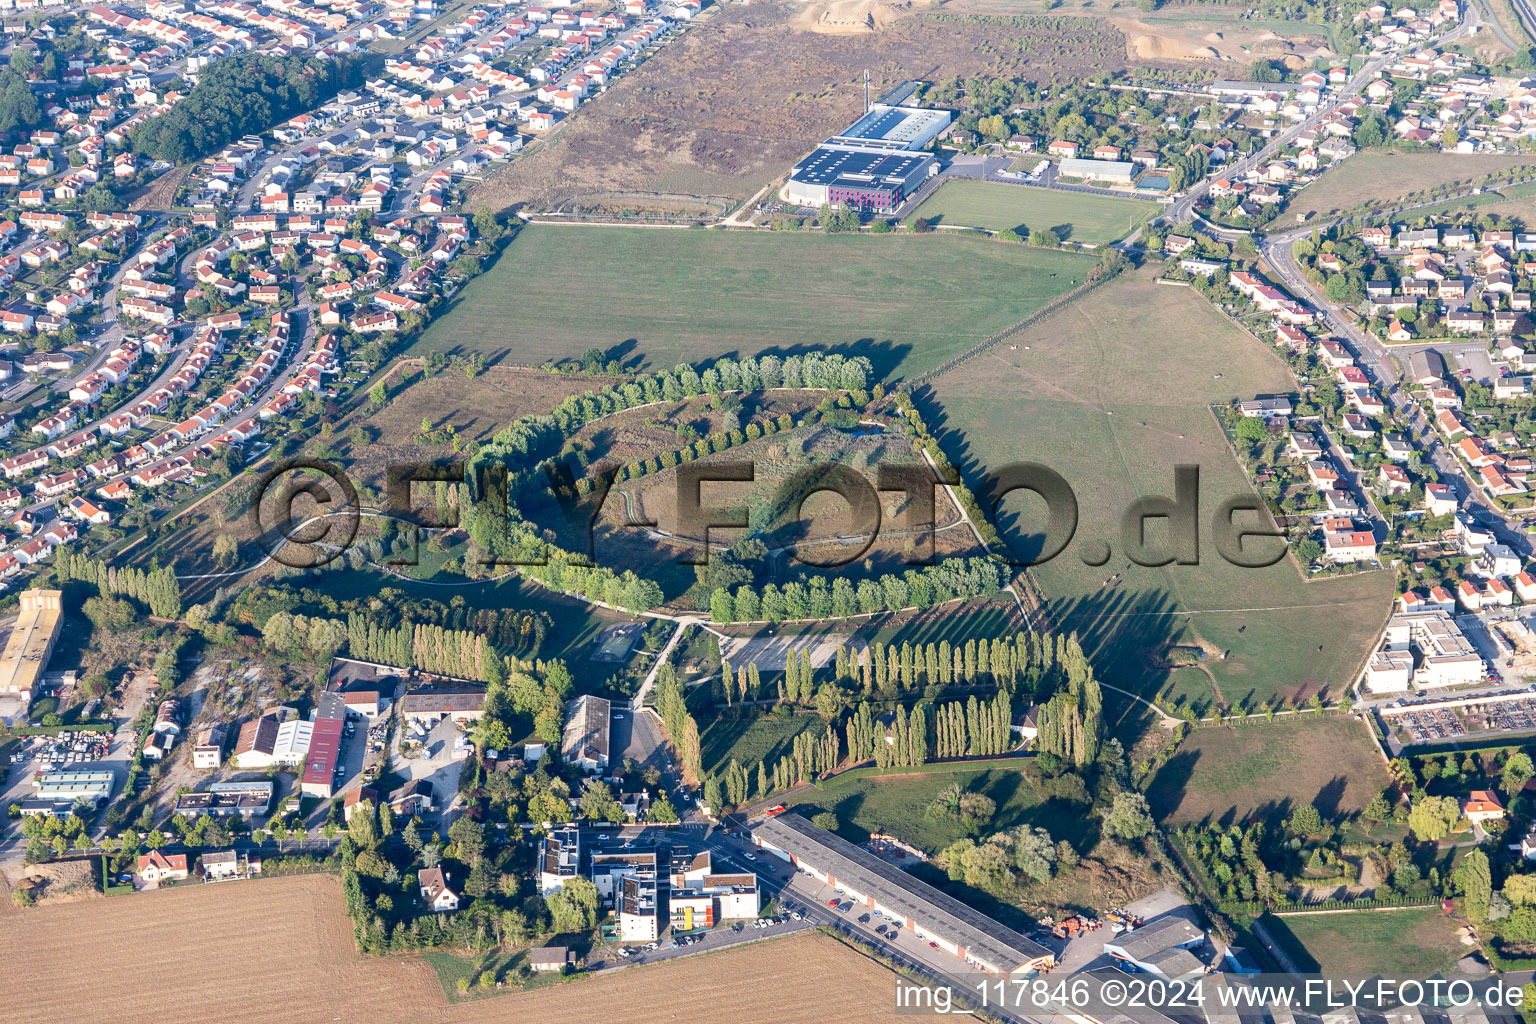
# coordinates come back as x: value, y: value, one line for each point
x: 232, y: 941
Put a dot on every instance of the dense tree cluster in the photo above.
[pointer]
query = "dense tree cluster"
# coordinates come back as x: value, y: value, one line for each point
x: 1071, y: 722
x: 157, y: 589
x: 240, y: 95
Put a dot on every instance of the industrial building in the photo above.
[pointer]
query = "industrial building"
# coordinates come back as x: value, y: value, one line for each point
x: 1425, y: 648
x: 1117, y: 172
x: 31, y: 643
x: 228, y: 799
x: 865, y: 180
x: 65, y: 787
x: 208, y: 752
x: 585, y: 740
x: 963, y: 931
x: 463, y: 702
x: 559, y: 859
x: 700, y: 898
x: 273, y: 739
x: 893, y: 128
x: 320, y: 767
x: 1161, y: 948
x: 873, y: 164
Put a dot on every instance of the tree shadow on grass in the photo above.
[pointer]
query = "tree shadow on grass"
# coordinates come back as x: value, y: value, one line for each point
x: 1283, y: 936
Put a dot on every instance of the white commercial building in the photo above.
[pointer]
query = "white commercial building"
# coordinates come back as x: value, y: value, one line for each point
x: 559, y: 859
x: 1425, y: 648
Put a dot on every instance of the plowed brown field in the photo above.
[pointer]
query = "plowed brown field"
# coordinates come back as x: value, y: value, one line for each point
x: 280, y: 950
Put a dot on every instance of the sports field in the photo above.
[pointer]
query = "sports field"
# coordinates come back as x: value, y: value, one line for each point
x: 1409, y: 943
x: 1386, y: 173
x: 1112, y: 393
x: 1268, y: 769
x: 657, y: 298
x: 1074, y: 216
x: 106, y: 961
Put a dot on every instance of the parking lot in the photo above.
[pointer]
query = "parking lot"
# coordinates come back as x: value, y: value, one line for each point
x: 806, y: 893
x: 68, y: 751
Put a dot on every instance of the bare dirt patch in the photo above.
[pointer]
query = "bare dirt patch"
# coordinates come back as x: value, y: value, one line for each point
x: 160, y: 193
x: 734, y: 103
x: 64, y: 881
x: 280, y: 950
x: 850, y: 17
x: 1197, y: 40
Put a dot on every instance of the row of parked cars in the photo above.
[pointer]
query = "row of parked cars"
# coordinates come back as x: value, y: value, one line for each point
x: 65, y: 749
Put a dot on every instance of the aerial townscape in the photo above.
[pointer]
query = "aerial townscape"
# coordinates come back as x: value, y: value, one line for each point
x: 518, y: 512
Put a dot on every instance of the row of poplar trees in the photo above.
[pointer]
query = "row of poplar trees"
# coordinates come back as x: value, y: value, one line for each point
x: 1070, y: 723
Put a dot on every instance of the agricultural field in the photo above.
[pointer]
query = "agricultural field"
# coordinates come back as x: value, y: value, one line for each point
x: 1267, y: 769
x: 747, y: 92
x: 896, y: 804
x: 235, y: 938
x: 74, y: 956
x: 1377, y: 173
x: 1410, y: 943
x: 1112, y: 393
x: 750, y: 737
x: 657, y: 298
x: 1074, y: 216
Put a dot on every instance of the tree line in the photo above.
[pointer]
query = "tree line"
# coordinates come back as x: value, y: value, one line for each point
x: 924, y: 587
x: 1019, y: 662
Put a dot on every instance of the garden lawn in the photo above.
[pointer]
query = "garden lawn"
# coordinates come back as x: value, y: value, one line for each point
x: 753, y: 738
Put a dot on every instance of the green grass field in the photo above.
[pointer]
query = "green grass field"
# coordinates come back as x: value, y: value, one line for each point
x: 1384, y: 173
x: 1112, y: 393
x: 1413, y: 943
x: 978, y: 619
x: 1514, y: 201
x: 908, y: 302
x: 896, y: 805
x: 754, y: 738
x: 1075, y: 216
x: 1268, y: 769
